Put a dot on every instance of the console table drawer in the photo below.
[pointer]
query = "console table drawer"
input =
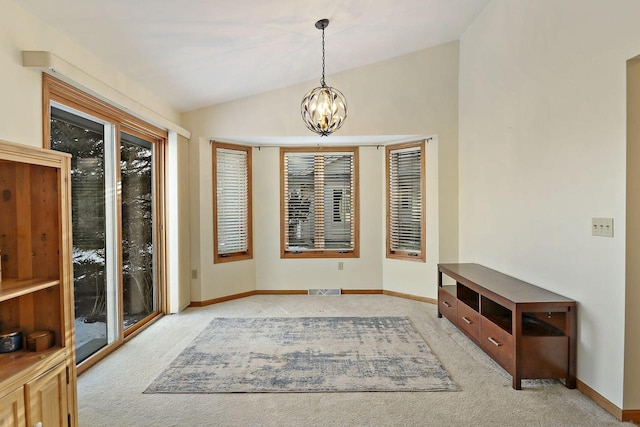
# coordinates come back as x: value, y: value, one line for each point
x: 469, y: 320
x: 497, y: 342
x: 448, y: 305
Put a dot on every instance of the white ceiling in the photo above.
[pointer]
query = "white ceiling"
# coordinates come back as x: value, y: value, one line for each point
x: 195, y: 53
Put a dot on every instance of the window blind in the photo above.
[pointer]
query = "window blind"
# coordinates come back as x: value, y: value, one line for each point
x: 232, y: 201
x: 405, y: 200
x: 319, y: 191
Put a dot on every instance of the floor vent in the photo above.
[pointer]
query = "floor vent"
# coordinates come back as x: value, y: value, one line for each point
x: 325, y: 292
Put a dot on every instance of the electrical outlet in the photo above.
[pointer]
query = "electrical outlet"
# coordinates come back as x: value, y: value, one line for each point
x: 340, y: 265
x: 602, y: 227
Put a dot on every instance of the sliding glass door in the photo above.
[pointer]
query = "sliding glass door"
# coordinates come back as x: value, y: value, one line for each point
x: 114, y: 199
x: 138, y: 260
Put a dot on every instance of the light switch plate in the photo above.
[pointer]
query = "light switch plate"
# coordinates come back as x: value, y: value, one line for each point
x: 602, y: 227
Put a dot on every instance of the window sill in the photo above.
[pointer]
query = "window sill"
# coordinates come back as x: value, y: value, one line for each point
x: 219, y: 259
x: 319, y: 254
x: 405, y: 256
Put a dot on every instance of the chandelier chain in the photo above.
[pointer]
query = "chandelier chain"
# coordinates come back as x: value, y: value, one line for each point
x: 322, y: 81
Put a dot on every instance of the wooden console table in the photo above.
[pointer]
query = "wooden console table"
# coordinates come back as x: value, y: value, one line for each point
x: 529, y: 331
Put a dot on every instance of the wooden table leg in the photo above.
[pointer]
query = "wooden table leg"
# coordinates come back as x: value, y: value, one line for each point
x: 516, y: 326
x: 572, y: 321
x: 439, y: 286
x: 517, y: 383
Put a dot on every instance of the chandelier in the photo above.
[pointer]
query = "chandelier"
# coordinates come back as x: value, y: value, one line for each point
x: 323, y: 109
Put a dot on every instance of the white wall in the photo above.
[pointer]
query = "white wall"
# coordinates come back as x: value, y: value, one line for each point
x: 274, y: 273
x: 21, y: 109
x: 542, y: 151
x: 21, y: 88
x: 214, y: 280
x: 177, y: 219
x: 194, y: 216
x: 412, y: 94
x: 416, y: 278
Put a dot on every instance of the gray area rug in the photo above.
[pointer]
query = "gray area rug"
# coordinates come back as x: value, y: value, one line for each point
x: 308, y: 354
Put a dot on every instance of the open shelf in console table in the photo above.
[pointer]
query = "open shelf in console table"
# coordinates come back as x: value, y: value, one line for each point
x: 529, y: 331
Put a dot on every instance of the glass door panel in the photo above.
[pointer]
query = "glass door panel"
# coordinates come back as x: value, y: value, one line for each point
x: 113, y: 197
x: 138, y: 260
x: 85, y: 140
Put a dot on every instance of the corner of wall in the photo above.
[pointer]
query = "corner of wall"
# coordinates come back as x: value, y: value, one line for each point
x: 631, y: 391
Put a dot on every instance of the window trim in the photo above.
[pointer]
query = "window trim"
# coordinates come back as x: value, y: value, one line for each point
x: 236, y: 256
x: 396, y: 254
x: 322, y: 253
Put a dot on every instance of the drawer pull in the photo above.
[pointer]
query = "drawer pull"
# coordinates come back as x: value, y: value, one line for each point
x: 494, y: 342
x: 466, y: 320
x: 446, y: 304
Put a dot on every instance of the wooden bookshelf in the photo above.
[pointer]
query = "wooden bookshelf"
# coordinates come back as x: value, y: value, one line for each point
x: 36, y: 291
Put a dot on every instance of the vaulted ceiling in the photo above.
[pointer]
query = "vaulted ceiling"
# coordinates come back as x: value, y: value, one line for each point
x: 195, y: 53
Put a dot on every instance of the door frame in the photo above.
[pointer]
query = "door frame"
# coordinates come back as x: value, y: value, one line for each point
x: 54, y: 90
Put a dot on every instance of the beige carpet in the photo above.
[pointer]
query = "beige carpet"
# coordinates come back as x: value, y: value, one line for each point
x: 111, y: 393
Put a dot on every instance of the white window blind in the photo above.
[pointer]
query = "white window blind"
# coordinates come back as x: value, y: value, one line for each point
x: 319, y: 191
x: 232, y: 201
x: 405, y: 204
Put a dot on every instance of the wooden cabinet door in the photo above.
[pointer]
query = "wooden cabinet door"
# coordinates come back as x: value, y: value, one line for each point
x: 47, y: 398
x: 12, y: 409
